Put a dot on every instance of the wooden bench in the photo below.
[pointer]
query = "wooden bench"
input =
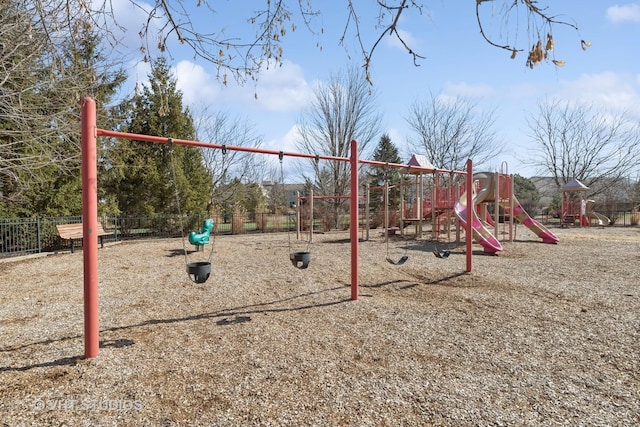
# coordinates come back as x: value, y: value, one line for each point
x: 73, y: 232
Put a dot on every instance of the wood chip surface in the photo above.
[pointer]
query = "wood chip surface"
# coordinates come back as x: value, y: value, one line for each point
x: 538, y: 335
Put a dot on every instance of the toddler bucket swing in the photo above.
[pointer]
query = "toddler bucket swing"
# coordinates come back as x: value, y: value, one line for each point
x: 198, y: 271
x: 301, y: 259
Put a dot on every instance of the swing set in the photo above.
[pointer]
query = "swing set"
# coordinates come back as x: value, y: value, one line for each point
x: 90, y: 134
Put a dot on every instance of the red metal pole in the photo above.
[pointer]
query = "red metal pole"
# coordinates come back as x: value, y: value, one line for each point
x: 165, y: 140
x: 354, y: 220
x: 89, y: 227
x: 470, y: 208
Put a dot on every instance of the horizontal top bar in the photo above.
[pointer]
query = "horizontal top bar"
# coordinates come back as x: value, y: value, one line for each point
x: 165, y: 140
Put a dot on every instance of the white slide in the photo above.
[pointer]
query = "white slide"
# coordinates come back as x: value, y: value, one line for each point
x: 480, y: 233
x: 601, y: 219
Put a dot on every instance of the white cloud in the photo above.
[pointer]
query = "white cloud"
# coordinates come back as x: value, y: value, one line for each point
x: 197, y: 86
x: 615, y: 92
x: 289, y: 140
x: 278, y: 89
x: 129, y: 19
x: 292, y: 167
x: 625, y: 13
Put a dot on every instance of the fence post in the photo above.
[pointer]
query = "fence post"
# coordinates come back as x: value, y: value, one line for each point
x: 39, y: 234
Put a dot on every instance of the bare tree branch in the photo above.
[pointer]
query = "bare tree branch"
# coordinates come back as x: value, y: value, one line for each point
x: 242, y: 58
x: 225, y: 165
x: 576, y: 141
x: 450, y: 132
x: 341, y: 110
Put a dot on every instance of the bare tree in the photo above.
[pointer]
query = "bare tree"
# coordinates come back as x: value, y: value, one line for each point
x: 341, y: 110
x: 527, y: 22
x: 449, y: 131
x: 599, y: 148
x: 226, y: 166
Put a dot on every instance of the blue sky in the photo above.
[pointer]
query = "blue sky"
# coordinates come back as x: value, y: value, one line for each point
x: 458, y: 63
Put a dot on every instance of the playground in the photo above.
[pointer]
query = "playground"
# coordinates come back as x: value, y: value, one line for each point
x: 537, y: 335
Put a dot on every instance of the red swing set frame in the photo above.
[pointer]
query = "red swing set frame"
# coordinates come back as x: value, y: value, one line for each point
x: 90, y: 134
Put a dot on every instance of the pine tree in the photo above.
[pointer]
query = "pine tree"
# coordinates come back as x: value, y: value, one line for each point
x: 62, y: 193
x: 385, y: 152
x: 39, y: 110
x: 144, y: 176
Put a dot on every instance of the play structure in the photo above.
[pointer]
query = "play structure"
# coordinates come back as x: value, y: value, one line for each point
x: 466, y: 194
x: 443, y: 199
x: 577, y: 210
x: 595, y: 218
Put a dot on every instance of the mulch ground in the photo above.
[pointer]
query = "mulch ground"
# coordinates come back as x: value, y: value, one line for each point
x: 538, y: 335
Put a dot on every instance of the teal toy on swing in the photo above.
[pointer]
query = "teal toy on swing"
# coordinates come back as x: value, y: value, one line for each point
x: 198, y: 271
x: 202, y: 238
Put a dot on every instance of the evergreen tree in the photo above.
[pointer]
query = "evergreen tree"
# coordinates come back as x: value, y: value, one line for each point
x: 248, y: 196
x: 61, y: 194
x: 386, y: 152
x: 39, y: 128
x: 527, y: 193
x: 377, y: 176
x: 145, y: 176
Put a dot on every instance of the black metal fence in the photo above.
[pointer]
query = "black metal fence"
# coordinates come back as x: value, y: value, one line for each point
x: 23, y: 236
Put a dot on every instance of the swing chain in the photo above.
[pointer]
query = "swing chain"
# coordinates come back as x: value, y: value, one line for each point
x: 170, y: 144
x: 299, y: 259
x: 177, y: 196
x: 284, y: 197
x: 405, y: 256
